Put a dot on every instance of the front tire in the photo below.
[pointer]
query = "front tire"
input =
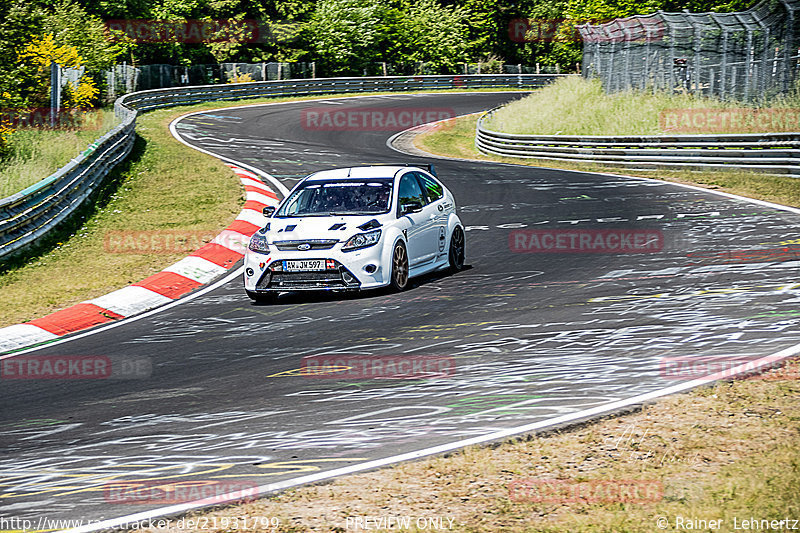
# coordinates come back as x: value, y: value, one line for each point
x: 457, y: 250
x: 399, y: 279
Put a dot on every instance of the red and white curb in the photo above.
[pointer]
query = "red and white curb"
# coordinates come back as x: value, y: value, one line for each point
x: 199, y: 268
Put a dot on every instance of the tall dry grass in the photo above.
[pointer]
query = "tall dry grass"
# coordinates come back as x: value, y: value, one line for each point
x: 38, y: 153
x: 576, y: 106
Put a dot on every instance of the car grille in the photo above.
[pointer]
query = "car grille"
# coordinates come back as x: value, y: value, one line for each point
x: 338, y: 278
x: 315, y: 244
x: 307, y: 280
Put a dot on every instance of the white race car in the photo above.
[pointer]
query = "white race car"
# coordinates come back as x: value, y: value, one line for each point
x: 355, y: 228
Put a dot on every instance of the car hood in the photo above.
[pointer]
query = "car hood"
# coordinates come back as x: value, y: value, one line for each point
x: 334, y: 227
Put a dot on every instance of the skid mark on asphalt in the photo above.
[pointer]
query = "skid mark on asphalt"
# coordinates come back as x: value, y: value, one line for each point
x: 532, y: 338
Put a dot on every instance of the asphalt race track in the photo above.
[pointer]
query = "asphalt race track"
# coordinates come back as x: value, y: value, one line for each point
x: 526, y: 337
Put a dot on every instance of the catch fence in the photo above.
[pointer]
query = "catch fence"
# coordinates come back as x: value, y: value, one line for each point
x: 751, y: 55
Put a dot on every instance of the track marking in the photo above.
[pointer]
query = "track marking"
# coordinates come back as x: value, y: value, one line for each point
x: 265, y: 490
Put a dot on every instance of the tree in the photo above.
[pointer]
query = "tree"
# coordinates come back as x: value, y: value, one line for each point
x: 488, y: 28
x: 19, y: 22
x: 33, y: 34
x: 38, y: 56
x: 71, y: 25
x: 433, y: 34
x: 348, y: 35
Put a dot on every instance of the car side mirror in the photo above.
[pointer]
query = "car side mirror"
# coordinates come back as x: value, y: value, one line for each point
x: 411, y: 207
x: 268, y: 210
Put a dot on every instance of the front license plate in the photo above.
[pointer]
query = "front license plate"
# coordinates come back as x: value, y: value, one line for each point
x: 305, y: 264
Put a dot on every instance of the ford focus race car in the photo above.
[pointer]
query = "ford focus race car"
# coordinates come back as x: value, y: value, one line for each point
x: 355, y: 228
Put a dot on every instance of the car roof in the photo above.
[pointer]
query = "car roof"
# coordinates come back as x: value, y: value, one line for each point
x: 366, y: 172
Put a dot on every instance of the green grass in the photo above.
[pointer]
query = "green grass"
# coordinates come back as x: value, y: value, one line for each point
x: 575, y: 106
x: 164, y: 186
x: 37, y: 153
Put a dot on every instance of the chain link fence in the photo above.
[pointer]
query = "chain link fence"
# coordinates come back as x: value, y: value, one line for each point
x: 751, y: 55
x: 123, y: 79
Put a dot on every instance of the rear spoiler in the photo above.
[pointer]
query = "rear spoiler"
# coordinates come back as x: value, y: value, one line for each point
x: 427, y: 166
x: 430, y: 168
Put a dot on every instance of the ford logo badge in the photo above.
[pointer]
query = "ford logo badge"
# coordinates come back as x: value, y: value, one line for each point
x: 303, y: 247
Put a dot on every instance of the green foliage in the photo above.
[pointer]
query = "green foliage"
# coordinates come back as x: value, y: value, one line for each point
x: 32, y: 34
x: 349, y: 34
x: 605, y: 10
x: 343, y: 37
x: 71, y: 25
x: 6, y: 132
x: 37, y: 57
x: 19, y: 21
x: 433, y: 34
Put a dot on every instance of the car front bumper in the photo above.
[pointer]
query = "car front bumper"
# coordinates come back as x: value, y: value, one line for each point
x: 345, y: 271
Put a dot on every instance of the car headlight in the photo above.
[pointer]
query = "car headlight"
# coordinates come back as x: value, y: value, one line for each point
x: 362, y: 240
x: 258, y: 243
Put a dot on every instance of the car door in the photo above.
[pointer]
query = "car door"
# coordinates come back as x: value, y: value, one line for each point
x: 417, y: 226
x: 436, y: 210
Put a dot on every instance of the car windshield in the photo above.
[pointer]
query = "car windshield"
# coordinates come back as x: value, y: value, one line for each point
x: 342, y: 197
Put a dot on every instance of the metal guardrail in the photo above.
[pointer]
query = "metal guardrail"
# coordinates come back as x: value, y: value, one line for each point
x: 33, y: 212
x: 30, y: 214
x: 157, y: 98
x: 772, y: 153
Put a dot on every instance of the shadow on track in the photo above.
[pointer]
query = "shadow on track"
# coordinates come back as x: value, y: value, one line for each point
x: 311, y: 297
